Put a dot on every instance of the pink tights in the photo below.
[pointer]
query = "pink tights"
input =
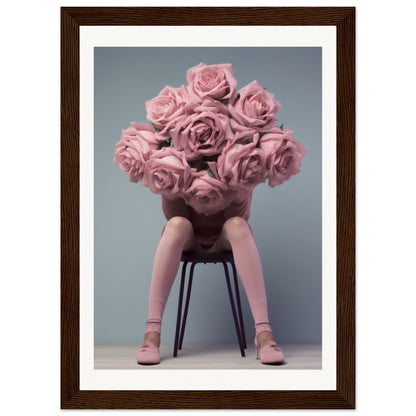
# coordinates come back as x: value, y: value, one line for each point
x: 178, y: 234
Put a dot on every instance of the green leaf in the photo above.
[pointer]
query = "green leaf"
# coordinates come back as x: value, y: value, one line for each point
x: 154, y: 127
x: 281, y: 126
x: 226, y: 101
x: 210, y: 173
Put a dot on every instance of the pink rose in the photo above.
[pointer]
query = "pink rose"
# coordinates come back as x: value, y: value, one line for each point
x: 167, y: 172
x: 164, y: 109
x: 203, y: 130
x: 134, y: 148
x: 241, y: 163
x: 211, y: 82
x: 283, y: 155
x: 206, y: 195
x: 143, y: 132
x: 252, y: 107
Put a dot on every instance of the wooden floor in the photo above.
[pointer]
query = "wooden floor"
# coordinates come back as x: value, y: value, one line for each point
x: 207, y: 356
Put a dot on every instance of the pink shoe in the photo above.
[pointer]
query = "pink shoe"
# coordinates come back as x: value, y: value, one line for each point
x: 149, y: 353
x: 269, y: 353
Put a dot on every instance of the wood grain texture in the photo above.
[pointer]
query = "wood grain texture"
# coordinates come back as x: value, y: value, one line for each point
x: 346, y: 208
x: 71, y: 395
x: 69, y: 208
x: 183, y: 16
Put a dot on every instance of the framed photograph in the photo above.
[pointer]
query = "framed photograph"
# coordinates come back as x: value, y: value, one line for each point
x: 113, y: 62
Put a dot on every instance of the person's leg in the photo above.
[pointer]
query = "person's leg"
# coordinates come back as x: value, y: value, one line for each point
x: 177, y: 237
x: 236, y: 235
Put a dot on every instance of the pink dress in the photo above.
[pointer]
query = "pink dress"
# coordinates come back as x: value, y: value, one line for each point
x: 207, y: 228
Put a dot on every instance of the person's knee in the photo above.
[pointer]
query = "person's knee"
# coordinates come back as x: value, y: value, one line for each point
x: 178, y: 225
x: 236, y: 227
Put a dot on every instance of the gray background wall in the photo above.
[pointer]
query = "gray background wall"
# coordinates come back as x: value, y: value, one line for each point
x: 128, y: 219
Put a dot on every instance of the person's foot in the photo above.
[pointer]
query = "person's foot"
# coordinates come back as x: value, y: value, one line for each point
x: 270, y: 352
x: 149, y: 352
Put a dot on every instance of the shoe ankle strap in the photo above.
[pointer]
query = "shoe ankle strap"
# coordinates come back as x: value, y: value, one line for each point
x: 262, y: 326
x: 153, y: 325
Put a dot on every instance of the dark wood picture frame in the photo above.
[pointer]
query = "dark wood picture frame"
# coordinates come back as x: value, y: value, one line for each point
x: 71, y: 395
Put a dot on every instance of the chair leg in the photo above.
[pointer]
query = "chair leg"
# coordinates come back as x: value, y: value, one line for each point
x: 185, y: 314
x: 237, y: 326
x: 240, y: 313
x: 178, y: 319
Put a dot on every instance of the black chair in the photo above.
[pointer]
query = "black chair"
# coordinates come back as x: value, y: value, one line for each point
x: 195, y: 258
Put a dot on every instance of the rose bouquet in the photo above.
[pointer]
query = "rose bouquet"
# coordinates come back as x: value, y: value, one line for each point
x: 208, y: 142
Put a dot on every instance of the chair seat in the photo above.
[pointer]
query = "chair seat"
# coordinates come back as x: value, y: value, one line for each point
x: 203, y: 257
